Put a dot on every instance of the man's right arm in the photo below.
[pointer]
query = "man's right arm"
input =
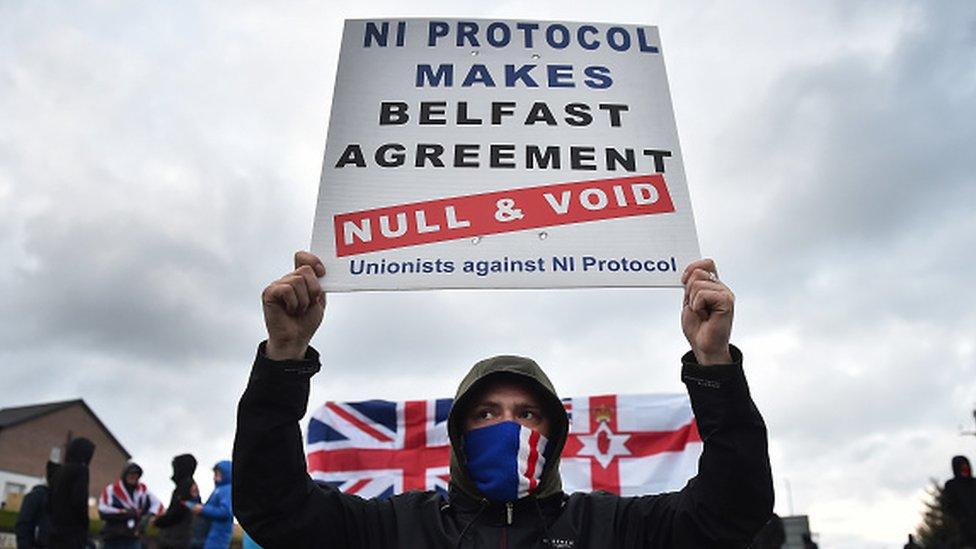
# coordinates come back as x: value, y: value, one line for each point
x: 274, y: 498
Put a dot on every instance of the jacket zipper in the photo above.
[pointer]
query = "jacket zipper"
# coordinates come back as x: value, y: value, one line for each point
x: 503, y: 541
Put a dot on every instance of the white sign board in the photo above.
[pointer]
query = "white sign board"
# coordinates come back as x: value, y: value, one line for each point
x: 501, y: 154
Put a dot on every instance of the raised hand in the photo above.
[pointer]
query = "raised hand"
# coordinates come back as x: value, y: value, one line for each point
x: 293, y: 308
x: 706, y: 315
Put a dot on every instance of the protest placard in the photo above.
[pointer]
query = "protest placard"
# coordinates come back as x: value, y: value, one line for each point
x: 501, y: 154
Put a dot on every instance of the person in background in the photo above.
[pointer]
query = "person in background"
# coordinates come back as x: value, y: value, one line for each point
x: 959, y: 500
x: 69, y: 497
x: 176, y: 524
x: 123, y: 506
x: 33, y: 526
x: 218, y: 509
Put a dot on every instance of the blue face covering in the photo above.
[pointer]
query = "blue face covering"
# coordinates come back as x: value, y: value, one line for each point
x: 505, y: 460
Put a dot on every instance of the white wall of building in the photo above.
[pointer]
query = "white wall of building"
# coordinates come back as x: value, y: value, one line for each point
x: 16, y: 483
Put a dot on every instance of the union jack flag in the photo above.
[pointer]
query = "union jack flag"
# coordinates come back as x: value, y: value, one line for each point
x: 378, y: 448
x: 116, y: 499
x: 624, y: 444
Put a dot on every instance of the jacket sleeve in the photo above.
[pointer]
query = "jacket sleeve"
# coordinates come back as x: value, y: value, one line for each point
x: 175, y: 513
x: 274, y: 498
x: 731, y: 498
x: 218, y: 507
x: 113, y: 518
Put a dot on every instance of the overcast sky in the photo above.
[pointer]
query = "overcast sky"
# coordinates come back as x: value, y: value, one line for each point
x: 159, y: 165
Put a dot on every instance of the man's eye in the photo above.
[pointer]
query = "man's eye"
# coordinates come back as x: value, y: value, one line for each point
x: 484, y: 414
x: 529, y: 414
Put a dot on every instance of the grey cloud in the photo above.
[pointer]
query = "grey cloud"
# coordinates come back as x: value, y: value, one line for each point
x: 854, y: 152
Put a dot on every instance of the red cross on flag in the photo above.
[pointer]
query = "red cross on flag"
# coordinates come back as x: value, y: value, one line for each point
x: 625, y: 444
x: 378, y: 448
x: 630, y: 444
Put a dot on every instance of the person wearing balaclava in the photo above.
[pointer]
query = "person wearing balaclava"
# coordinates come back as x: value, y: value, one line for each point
x: 959, y: 500
x: 507, y: 428
x: 69, y: 497
x: 176, y: 524
x: 125, y: 506
x: 33, y: 526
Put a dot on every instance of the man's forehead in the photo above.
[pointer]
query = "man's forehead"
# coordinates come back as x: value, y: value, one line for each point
x: 501, y: 387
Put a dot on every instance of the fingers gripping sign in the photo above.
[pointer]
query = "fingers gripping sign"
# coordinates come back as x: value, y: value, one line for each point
x: 706, y: 315
x: 293, y: 308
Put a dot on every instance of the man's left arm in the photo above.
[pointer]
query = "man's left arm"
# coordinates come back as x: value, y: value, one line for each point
x: 731, y: 498
x: 732, y: 495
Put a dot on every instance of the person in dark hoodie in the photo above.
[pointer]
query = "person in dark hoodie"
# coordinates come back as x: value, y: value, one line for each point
x: 176, y: 524
x: 33, y: 526
x: 959, y: 500
x: 69, y: 497
x: 505, y: 412
x: 218, y: 510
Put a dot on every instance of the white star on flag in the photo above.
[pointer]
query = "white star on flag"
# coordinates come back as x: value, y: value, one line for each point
x: 603, y: 445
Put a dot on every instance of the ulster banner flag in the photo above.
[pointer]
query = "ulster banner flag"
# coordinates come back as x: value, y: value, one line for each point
x: 625, y: 444
x: 631, y: 445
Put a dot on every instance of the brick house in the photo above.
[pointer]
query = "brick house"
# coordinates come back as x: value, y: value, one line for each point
x: 32, y: 435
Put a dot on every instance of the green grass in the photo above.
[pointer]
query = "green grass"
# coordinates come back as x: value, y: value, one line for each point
x: 8, y: 519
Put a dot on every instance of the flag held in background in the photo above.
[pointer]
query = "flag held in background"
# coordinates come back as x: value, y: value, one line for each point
x: 624, y: 444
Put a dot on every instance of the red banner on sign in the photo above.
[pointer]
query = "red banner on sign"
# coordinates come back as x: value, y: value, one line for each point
x: 500, y: 212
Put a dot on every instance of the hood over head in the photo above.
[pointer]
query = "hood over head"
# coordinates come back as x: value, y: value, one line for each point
x: 958, y: 463
x: 225, y: 469
x: 184, y: 465
x: 130, y: 467
x: 80, y: 450
x: 550, y: 482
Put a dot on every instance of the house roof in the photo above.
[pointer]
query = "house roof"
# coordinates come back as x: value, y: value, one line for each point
x: 16, y: 415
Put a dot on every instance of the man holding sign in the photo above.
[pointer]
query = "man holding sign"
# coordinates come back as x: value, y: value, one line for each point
x: 500, y: 154
x: 507, y: 428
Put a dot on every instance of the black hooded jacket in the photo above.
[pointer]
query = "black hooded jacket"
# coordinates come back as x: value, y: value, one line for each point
x: 279, y: 505
x: 33, y: 526
x: 959, y: 499
x: 69, y: 497
x: 176, y: 524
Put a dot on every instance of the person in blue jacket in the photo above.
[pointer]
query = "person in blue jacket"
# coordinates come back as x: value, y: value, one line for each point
x: 218, y: 510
